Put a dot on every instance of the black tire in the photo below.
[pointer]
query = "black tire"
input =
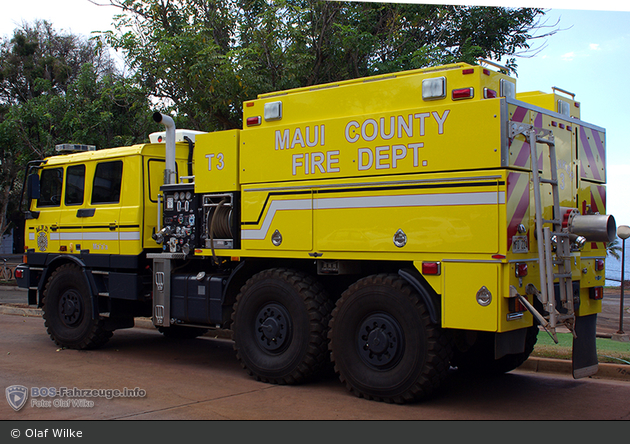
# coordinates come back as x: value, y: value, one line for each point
x: 179, y: 332
x: 280, y: 325
x: 67, y: 307
x: 384, y: 346
x: 479, y: 358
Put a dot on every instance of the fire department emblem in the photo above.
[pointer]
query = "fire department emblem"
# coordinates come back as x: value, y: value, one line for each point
x: 16, y: 396
x: 42, y: 240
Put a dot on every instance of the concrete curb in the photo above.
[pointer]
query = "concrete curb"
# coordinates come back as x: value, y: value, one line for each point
x: 616, y: 372
x: 20, y: 310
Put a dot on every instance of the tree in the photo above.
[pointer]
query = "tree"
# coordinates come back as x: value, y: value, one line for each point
x: 203, y: 58
x: 60, y: 88
x: 614, y: 249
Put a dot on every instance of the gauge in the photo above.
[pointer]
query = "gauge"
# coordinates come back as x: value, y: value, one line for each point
x: 188, y: 195
x: 176, y: 196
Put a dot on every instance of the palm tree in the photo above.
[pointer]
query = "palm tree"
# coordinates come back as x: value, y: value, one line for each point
x: 614, y: 249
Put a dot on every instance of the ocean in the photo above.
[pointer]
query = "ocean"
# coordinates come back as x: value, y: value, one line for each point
x: 613, y: 269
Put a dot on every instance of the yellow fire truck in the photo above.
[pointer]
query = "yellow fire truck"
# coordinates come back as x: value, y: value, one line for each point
x: 396, y: 225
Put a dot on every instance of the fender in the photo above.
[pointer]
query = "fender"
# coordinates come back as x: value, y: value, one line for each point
x: 62, y: 259
x: 429, y: 298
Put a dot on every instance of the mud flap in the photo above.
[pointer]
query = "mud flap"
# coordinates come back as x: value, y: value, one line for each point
x: 584, y: 347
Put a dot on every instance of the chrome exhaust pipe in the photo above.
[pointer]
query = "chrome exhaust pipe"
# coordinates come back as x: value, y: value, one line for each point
x: 170, y: 174
x: 594, y: 227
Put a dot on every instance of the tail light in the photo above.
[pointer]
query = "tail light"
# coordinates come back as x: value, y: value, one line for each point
x: 516, y: 306
x: 596, y: 293
x: 599, y: 264
x: 521, y: 270
x: 19, y: 273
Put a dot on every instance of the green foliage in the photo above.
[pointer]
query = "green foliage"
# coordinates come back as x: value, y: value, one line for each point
x: 59, y: 88
x: 614, y: 249
x: 203, y: 58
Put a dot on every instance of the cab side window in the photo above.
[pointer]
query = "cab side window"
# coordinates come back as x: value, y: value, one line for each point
x: 107, y: 182
x: 51, y: 181
x: 75, y: 184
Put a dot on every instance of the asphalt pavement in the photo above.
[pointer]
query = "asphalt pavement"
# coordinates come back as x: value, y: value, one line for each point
x: 13, y: 301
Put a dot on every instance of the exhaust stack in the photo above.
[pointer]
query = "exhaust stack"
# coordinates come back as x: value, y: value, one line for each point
x: 170, y: 174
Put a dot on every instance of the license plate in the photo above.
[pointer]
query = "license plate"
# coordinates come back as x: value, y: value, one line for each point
x: 519, y: 244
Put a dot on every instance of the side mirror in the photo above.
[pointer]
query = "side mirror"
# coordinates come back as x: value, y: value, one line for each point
x: 32, y: 187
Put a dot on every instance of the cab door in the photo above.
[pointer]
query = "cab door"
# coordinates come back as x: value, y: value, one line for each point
x: 101, y: 215
x: 43, y: 232
x: 72, y: 212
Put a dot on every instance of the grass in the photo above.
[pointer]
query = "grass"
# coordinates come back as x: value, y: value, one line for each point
x: 607, y: 350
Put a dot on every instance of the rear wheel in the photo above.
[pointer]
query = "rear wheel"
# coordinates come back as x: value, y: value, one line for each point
x: 67, y: 307
x: 383, y: 344
x: 280, y: 324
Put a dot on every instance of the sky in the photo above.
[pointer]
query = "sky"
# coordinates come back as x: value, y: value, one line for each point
x: 589, y: 57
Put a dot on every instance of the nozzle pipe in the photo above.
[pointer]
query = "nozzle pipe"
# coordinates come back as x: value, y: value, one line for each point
x: 595, y: 227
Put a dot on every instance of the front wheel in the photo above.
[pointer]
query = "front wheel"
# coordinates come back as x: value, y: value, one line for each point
x: 67, y: 311
x: 383, y: 343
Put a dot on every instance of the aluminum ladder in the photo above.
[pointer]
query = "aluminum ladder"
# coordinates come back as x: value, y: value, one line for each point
x: 550, y: 240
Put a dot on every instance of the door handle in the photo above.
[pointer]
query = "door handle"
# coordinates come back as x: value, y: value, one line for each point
x: 86, y: 212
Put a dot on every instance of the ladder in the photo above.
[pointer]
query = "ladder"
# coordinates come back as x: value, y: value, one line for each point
x: 550, y: 240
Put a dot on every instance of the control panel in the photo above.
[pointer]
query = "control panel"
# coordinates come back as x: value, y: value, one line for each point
x: 181, y: 219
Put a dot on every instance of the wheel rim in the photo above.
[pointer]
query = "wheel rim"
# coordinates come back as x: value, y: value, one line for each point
x: 70, y: 308
x: 380, y: 341
x: 273, y: 327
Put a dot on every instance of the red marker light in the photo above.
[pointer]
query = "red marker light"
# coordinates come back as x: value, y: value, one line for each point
x: 521, y: 270
x: 253, y: 121
x: 489, y: 93
x: 431, y: 268
x: 468, y: 71
x: 463, y: 93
